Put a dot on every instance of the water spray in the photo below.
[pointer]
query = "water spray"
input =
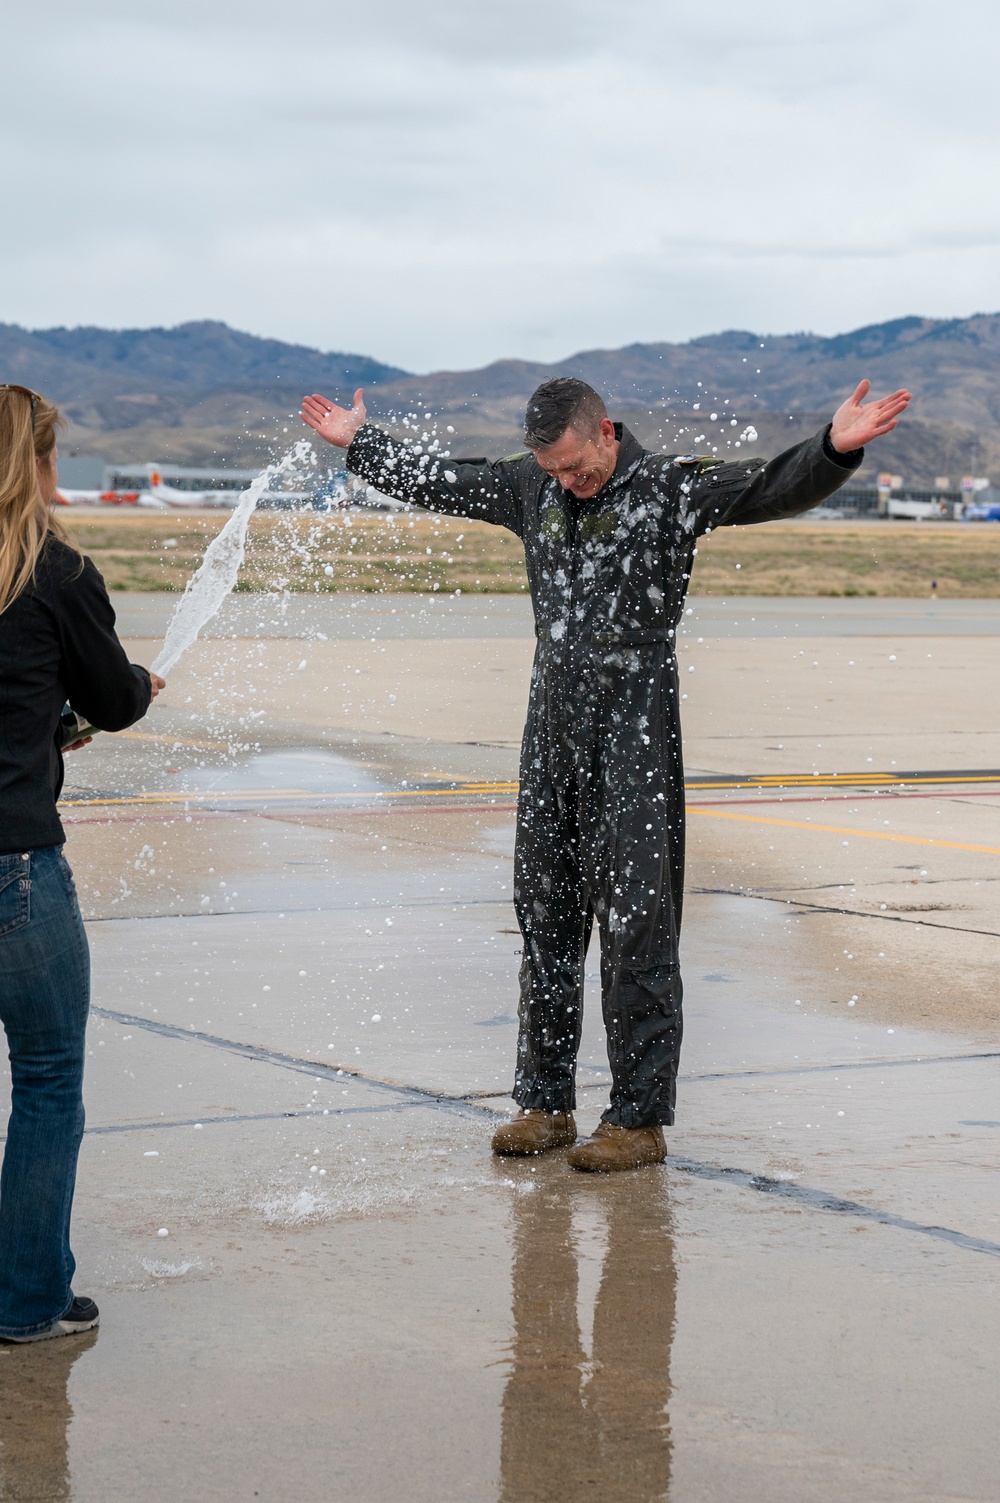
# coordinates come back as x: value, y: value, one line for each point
x: 207, y: 588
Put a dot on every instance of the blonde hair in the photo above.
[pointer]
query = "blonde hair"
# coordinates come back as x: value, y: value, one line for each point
x: 26, y: 522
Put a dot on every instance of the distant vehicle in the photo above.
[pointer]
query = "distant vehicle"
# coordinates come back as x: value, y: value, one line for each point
x: 334, y: 493
x: 290, y: 501
x: 367, y: 498
x: 907, y: 510
x: 976, y: 513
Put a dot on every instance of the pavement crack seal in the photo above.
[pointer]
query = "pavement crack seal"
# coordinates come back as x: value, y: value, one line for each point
x: 884, y: 918
x: 817, y: 1200
x: 836, y: 1069
x: 822, y: 1200
x: 780, y: 1071
x: 334, y: 1111
x: 417, y: 1095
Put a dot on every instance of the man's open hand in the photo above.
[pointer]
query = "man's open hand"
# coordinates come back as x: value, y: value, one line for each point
x: 337, y: 425
x: 855, y: 425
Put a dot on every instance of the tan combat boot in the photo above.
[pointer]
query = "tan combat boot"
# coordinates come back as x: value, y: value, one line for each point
x: 614, y: 1148
x: 535, y: 1132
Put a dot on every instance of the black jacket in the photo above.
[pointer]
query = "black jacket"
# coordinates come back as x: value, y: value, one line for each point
x: 57, y: 642
x: 621, y: 561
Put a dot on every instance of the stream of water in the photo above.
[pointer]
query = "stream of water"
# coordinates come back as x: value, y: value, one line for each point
x: 217, y: 573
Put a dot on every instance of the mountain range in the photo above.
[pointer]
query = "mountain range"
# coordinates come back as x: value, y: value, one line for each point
x: 203, y: 392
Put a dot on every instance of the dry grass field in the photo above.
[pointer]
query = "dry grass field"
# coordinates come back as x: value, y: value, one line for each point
x: 305, y: 551
x: 899, y: 559
x: 396, y: 551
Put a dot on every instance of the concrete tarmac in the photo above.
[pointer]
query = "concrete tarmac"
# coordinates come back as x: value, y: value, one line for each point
x: 316, y: 1282
x: 393, y: 616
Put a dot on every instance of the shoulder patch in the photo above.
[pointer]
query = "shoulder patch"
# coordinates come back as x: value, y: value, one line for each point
x: 510, y: 458
x: 699, y: 461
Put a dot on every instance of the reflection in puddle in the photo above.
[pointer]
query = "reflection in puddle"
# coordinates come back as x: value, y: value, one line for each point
x: 311, y: 771
x: 587, y: 1416
x: 35, y: 1415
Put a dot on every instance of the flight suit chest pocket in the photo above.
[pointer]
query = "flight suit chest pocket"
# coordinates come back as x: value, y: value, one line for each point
x: 553, y: 526
x: 15, y: 892
x: 598, y: 524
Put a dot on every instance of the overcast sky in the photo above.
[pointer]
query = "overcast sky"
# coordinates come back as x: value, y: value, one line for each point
x: 440, y: 184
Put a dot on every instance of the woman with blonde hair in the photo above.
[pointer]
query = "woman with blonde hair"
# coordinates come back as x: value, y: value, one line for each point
x: 57, y: 643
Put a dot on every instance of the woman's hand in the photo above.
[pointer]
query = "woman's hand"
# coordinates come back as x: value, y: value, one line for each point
x: 156, y: 683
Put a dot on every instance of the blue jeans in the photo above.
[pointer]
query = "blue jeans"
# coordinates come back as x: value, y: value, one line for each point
x: 44, y: 1001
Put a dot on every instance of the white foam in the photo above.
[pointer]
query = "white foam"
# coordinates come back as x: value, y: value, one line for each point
x: 216, y: 575
x: 158, y: 1270
x: 356, y: 1196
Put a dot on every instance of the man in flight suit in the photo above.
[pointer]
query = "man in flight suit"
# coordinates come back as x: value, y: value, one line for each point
x: 609, y: 533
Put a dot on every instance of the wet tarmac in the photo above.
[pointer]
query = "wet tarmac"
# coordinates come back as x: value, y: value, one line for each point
x: 316, y: 1283
x: 393, y: 616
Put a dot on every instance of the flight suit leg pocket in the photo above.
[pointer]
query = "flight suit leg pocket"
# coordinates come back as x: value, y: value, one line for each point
x: 645, y: 1029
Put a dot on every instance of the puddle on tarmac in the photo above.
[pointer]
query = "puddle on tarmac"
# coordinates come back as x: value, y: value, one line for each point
x: 305, y: 771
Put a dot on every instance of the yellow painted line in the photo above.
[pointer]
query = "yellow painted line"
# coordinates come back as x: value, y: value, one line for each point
x: 477, y: 788
x: 166, y: 740
x: 180, y: 798
x: 484, y: 789
x: 275, y: 795
x: 803, y: 824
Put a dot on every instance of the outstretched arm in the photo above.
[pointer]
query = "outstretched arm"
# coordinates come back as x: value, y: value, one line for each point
x: 737, y: 494
x: 471, y: 488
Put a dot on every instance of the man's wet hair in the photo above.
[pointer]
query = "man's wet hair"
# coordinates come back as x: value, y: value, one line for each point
x: 564, y: 402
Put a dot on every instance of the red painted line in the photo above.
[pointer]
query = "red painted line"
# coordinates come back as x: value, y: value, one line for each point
x: 842, y: 798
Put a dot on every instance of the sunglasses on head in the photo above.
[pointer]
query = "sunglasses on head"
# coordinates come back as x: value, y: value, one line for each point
x: 26, y: 391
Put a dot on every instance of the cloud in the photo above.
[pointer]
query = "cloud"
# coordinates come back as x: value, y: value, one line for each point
x: 442, y: 184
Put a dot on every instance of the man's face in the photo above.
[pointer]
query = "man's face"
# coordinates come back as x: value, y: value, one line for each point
x: 581, y: 465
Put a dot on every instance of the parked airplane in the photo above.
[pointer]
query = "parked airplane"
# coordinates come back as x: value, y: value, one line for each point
x: 66, y: 497
x: 336, y: 492
x: 170, y: 496
x: 155, y: 496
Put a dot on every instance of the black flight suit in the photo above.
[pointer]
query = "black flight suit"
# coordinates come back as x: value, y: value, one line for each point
x: 600, y: 825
